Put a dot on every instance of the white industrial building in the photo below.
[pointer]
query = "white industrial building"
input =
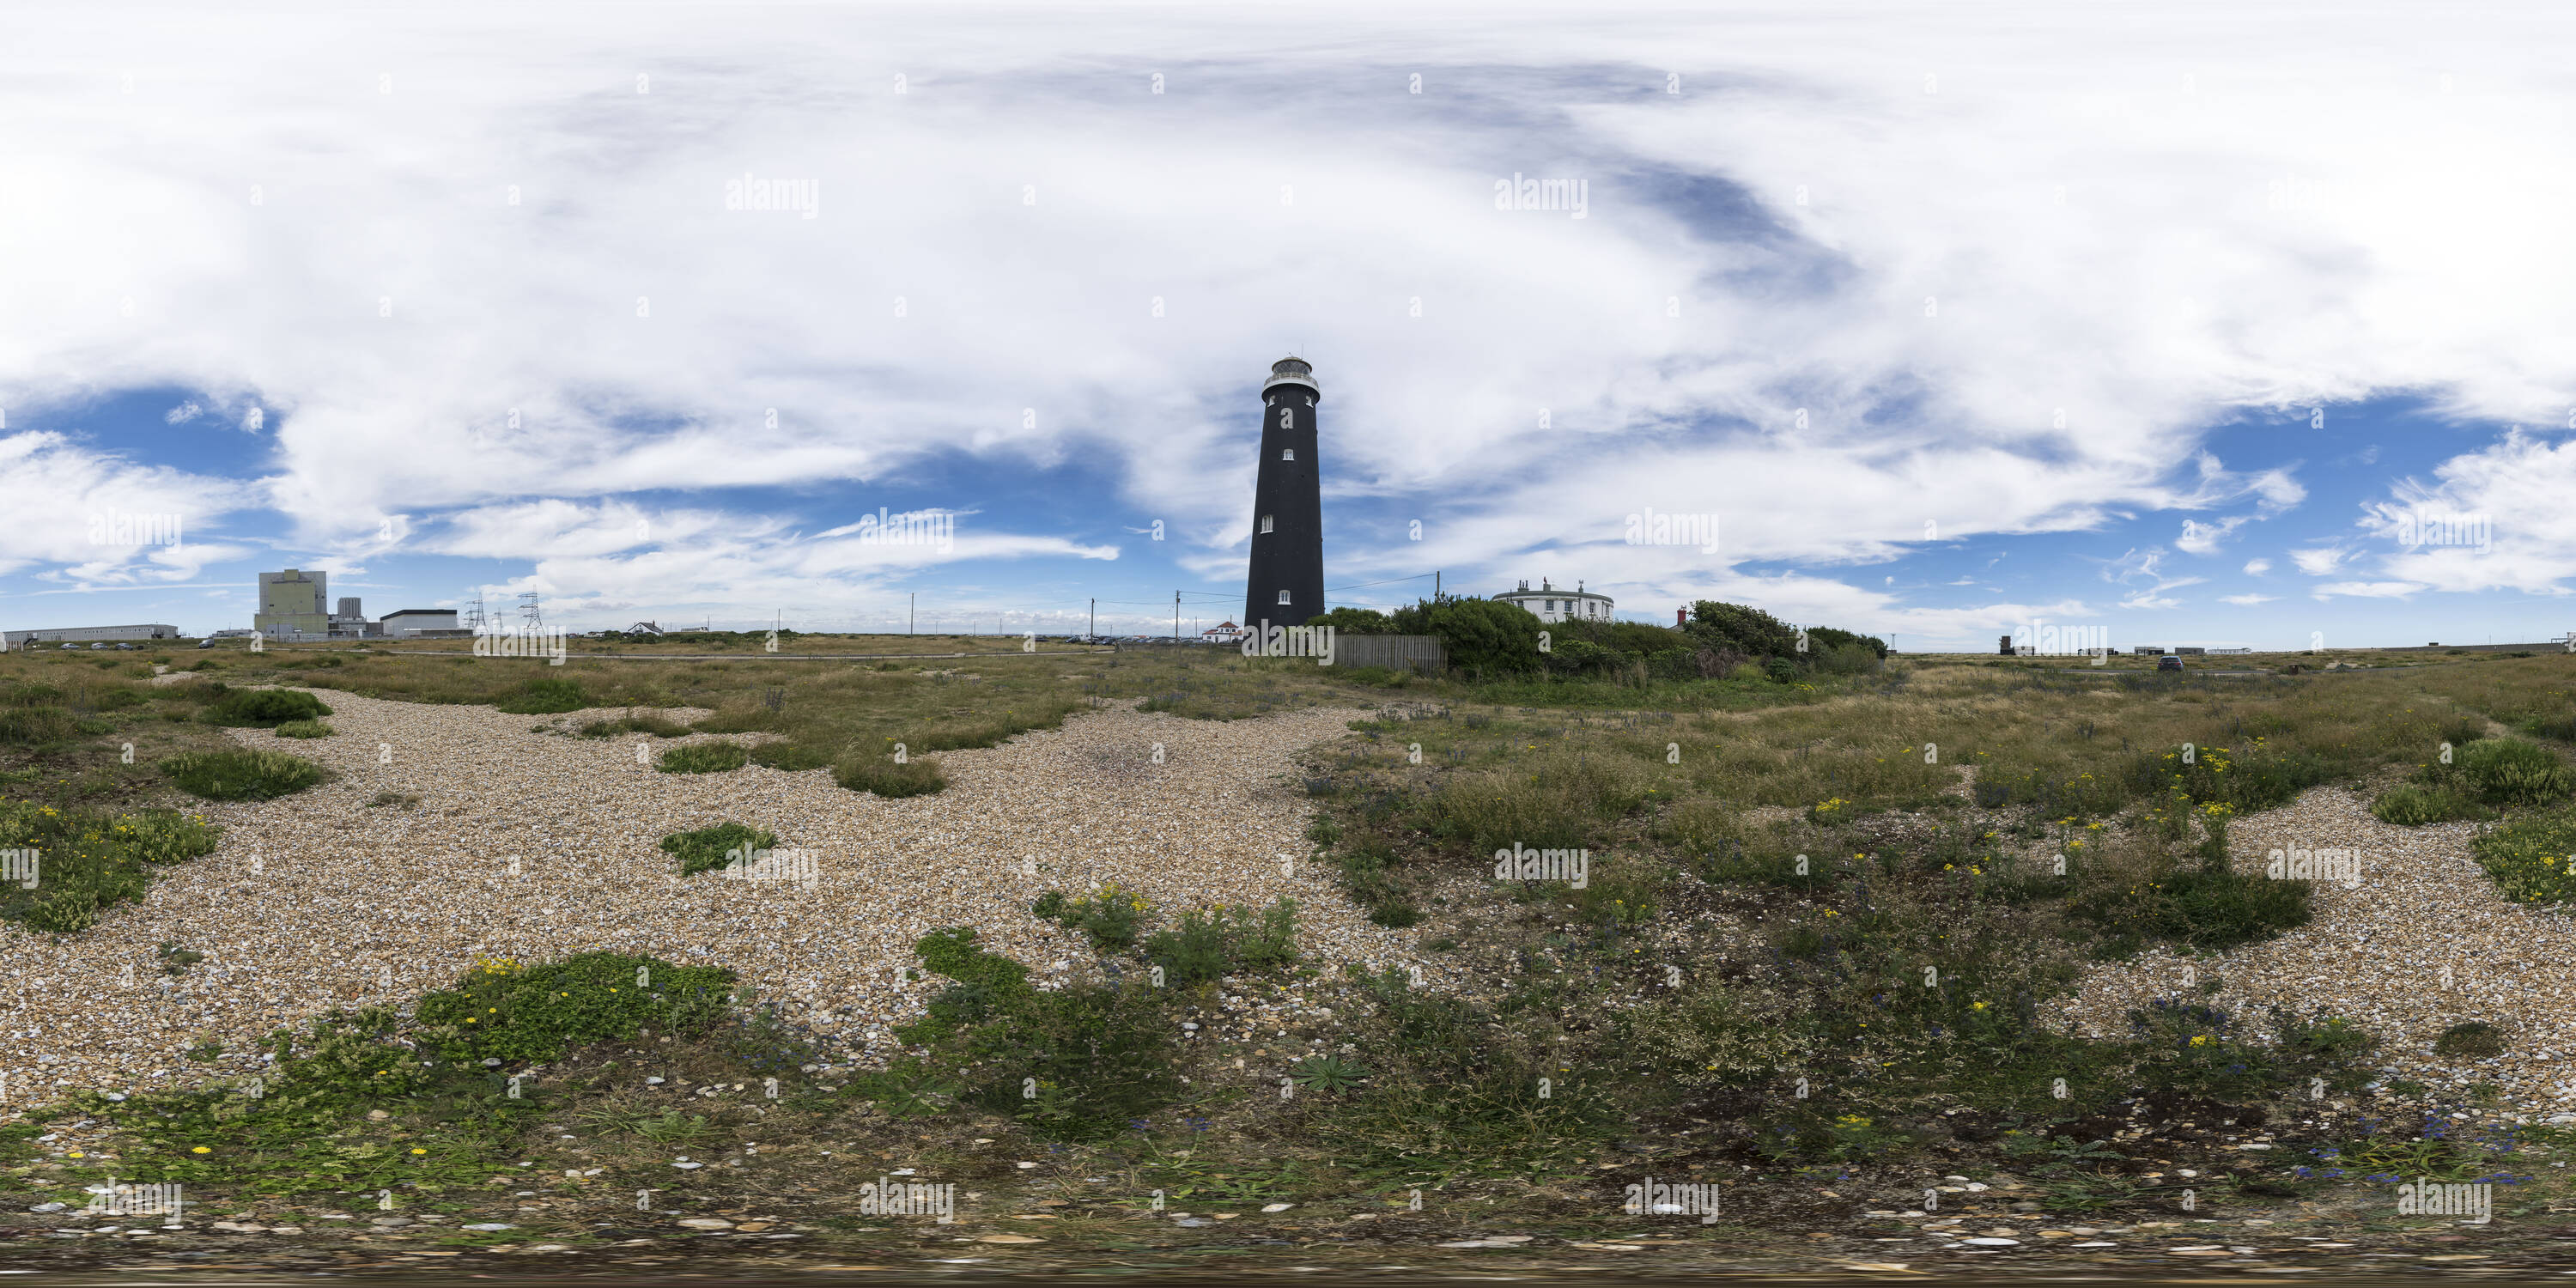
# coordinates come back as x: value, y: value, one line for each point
x: 86, y: 634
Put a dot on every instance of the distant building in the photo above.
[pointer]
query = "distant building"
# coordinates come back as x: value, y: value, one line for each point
x: 1553, y: 605
x: 86, y: 634
x: 2148, y: 650
x: 414, y: 621
x: 292, y: 604
x: 1223, y: 633
x: 2189, y: 650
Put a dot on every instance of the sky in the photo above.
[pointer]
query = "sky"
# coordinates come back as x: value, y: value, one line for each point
x: 2220, y: 324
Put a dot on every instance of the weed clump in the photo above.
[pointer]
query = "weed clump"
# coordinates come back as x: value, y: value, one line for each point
x: 544, y: 697
x: 2533, y: 859
x: 35, y: 726
x: 1080, y: 1062
x: 86, y: 864
x: 502, y: 1010
x: 704, y: 758
x: 263, y: 708
x: 241, y: 774
x: 304, y: 729
x: 883, y: 776
x: 2472, y: 1040
x: 714, y: 847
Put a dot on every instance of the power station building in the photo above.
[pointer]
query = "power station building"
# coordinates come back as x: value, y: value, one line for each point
x: 1286, y: 583
x: 293, y: 603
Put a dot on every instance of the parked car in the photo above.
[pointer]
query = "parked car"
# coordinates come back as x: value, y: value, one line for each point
x: 69, y: 647
x: 2168, y: 663
x: 208, y: 642
x: 126, y: 647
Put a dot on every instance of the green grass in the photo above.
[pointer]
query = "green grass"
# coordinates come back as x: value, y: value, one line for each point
x: 708, y: 848
x: 549, y: 695
x: 789, y: 757
x: 2533, y: 858
x: 304, y: 729
x: 34, y: 726
x: 2409, y: 805
x: 241, y: 775
x: 881, y: 775
x: 704, y: 758
x: 263, y: 708
x: 647, y: 724
x: 88, y: 864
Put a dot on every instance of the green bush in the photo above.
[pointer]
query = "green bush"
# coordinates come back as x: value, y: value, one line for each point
x: 542, y: 697
x: 1480, y: 636
x: 1740, y: 629
x: 2533, y: 859
x: 2200, y: 906
x: 881, y: 775
x: 654, y: 725
x: 263, y: 708
x: 1215, y: 942
x: 304, y: 729
x: 709, y: 848
x: 88, y: 863
x: 1355, y: 621
x: 240, y: 774
x: 31, y: 726
x: 500, y: 1010
x: 30, y: 694
x: 1111, y: 919
x: 789, y: 757
x: 2411, y: 806
x: 1075, y: 1063
x: 2470, y: 1040
x: 2509, y: 771
x: 704, y: 758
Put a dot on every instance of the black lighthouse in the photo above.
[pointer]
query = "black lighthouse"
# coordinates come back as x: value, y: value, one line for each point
x: 1286, y: 585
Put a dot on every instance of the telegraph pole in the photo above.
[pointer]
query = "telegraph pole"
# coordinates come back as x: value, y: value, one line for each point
x: 1095, y: 619
x: 1176, y: 617
x: 912, y: 600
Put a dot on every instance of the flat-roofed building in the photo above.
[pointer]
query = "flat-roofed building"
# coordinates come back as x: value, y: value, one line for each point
x: 293, y: 603
x: 415, y: 621
x: 88, y: 634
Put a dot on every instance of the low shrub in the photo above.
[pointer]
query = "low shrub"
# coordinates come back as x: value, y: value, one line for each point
x: 709, y: 848
x: 241, y: 774
x: 2472, y: 1040
x: 2533, y: 859
x: 1211, y: 943
x: 304, y: 729
x: 87, y: 863
x: 704, y: 758
x: 881, y: 775
x: 501, y: 1010
x: 2509, y: 771
x: 654, y: 725
x: 1081, y: 1062
x: 33, y: 726
x: 543, y: 697
x: 2408, y: 805
x: 789, y: 757
x: 1112, y: 919
x: 263, y: 708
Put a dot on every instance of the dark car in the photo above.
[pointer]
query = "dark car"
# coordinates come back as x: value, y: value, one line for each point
x: 2168, y: 663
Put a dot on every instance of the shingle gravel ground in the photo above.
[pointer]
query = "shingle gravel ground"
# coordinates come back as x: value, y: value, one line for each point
x: 318, y: 899
x: 2423, y: 942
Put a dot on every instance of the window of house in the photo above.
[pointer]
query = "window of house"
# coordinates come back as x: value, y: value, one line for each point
x: 1287, y: 453
x: 1265, y: 523
x: 1283, y: 596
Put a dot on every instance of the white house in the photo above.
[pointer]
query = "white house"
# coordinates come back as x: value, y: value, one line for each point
x: 1553, y: 605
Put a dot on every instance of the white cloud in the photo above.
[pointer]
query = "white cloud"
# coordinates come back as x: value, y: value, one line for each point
x: 183, y: 413
x: 2269, y: 237
x: 2248, y: 600
x: 2320, y: 561
x: 2370, y: 589
x: 2257, y: 567
x: 88, y: 518
x: 2201, y: 538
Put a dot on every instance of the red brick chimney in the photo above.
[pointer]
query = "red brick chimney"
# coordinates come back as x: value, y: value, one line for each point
x: 1681, y: 618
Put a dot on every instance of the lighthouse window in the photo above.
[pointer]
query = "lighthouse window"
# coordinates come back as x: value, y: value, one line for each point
x: 1287, y: 453
x: 1265, y: 523
x: 1283, y: 596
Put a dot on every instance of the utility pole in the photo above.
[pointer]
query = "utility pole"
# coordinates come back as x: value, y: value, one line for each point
x: 1095, y: 620
x: 1435, y: 585
x: 912, y: 599
x: 1176, y: 617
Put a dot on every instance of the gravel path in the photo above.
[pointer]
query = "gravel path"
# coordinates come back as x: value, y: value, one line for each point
x: 2423, y: 942
x: 319, y: 900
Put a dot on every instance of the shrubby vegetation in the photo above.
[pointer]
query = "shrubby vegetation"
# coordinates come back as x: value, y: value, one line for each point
x: 88, y: 864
